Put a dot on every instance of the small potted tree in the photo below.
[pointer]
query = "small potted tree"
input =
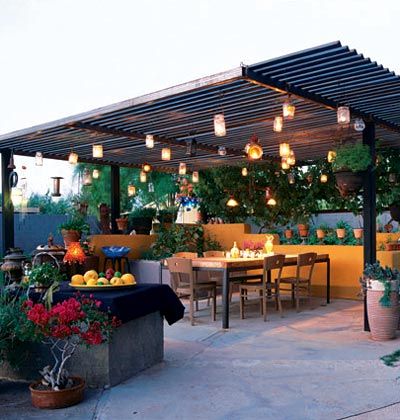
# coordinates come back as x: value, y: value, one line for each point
x: 341, y: 229
x: 350, y: 162
x: 381, y: 284
x: 73, y: 228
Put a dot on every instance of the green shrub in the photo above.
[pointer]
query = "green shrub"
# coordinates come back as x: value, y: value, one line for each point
x: 353, y: 157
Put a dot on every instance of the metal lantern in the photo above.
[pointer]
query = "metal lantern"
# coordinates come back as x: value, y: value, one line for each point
x: 86, y: 177
x: 149, y: 141
x: 288, y: 109
x: 278, y: 124
x: 359, y: 124
x: 182, y: 168
x: 284, y: 150
x: 331, y: 156
x: 253, y: 149
x: 39, y: 159
x: 146, y: 167
x: 343, y: 115
x: 244, y: 172
x: 324, y: 178
x: 291, y: 159
x: 219, y: 125
x: 195, y: 177
x: 97, y: 150
x: 222, y: 150
x: 232, y: 202
x: 131, y: 190
x: 56, y: 186
x: 166, y: 153
x: 96, y: 174
x: 73, y: 158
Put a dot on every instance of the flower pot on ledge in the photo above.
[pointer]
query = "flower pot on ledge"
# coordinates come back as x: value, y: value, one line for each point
x: 122, y: 224
x: 340, y: 233
x: 358, y: 233
x: 320, y: 234
x: 303, y: 230
x: 70, y: 236
x: 288, y: 233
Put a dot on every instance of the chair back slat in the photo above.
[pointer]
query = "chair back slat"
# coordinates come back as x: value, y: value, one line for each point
x: 305, y: 264
x: 213, y: 254
x: 273, y: 262
x: 189, y: 255
x: 181, y: 273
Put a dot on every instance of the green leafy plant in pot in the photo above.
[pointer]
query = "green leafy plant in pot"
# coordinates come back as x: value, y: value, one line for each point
x: 321, y: 231
x: 73, y: 228
x: 350, y: 161
x: 381, y: 285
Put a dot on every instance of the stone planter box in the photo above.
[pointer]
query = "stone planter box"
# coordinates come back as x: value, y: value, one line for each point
x: 147, y: 271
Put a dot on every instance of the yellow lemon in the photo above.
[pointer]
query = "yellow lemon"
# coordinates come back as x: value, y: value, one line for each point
x: 77, y: 279
x: 128, y: 278
x: 117, y: 281
x: 91, y: 282
x: 113, y: 280
x: 102, y: 281
x: 91, y: 274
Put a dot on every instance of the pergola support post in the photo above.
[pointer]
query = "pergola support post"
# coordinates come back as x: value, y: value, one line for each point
x: 369, y: 207
x: 7, y: 220
x: 115, y: 197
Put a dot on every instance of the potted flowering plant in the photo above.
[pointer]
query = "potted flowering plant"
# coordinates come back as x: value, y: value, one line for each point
x: 68, y: 324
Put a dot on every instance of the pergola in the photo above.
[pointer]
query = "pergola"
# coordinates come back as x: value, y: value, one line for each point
x: 318, y: 79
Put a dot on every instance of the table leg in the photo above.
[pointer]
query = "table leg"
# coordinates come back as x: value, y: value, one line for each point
x: 225, y: 298
x: 328, y: 281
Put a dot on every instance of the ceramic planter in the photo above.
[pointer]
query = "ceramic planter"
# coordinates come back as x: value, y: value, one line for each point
x: 383, y: 321
x: 358, y: 233
x: 58, y: 399
x: 320, y: 233
x: 340, y: 233
x: 70, y: 236
x: 348, y: 182
x: 288, y: 233
x: 303, y: 230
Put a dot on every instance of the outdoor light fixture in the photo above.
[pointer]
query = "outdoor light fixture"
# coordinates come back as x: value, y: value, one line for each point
x: 222, y: 150
x: 39, y: 159
x: 149, y: 141
x: 143, y: 176
x: 288, y: 109
x: 271, y: 202
x: 284, y: 150
x: 284, y: 163
x: 166, y: 153
x: 278, y: 124
x: 182, y: 168
x: 244, y: 172
x: 331, y: 156
x: 219, y: 125
x: 131, y: 190
x: 291, y: 178
x: 16, y: 196
x: 97, y: 150
x: 268, y: 197
x: 324, y: 178
x: 343, y: 115
x: 291, y: 159
x: 73, y: 158
x: 191, y: 147
x: 96, y: 174
x: 253, y: 149
x: 232, y: 202
x: 56, y: 186
x: 86, y: 177
x: 146, y: 167
x: 74, y: 254
x: 359, y: 124
x: 195, y: 177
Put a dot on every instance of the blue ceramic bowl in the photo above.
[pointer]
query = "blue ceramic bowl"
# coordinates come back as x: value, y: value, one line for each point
x: 115, y: 251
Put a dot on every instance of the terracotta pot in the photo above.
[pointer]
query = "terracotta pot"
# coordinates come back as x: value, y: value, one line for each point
x: 383, y: 321
x: 288, y: 233
x: 58, y: 399
x: 303, y: 230
x: 348, y: 182
x: 388, y: 227
x: 358, y: 233
x: 320, y: 233
x: 122, y: 223
x: 70, y: 236
x: 340, y: 233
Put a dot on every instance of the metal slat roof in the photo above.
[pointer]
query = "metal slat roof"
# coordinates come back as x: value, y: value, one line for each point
x: 319, y: 80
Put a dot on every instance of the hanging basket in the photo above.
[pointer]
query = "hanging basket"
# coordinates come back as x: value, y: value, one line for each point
x: 348, y: 182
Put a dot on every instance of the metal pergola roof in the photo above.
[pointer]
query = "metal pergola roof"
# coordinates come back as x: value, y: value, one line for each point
x: 319, y: 80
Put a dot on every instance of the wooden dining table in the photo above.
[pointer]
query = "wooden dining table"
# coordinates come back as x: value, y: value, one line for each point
x: 227, y: 266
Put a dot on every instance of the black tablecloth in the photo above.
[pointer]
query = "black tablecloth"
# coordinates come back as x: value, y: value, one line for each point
x: 133, y: 303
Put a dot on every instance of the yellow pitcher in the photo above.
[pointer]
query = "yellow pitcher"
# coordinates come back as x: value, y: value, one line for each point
x: 269, y: 246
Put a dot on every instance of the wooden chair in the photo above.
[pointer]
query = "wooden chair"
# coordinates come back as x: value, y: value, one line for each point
x: 264, y: 289
x: 184, y: 284
x: 301, y: 282
x: 189, y: 255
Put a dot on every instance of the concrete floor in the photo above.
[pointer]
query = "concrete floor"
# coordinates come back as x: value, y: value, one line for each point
x: 317, y: 364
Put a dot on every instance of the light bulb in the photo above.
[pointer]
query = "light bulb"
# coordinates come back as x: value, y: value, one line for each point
x: 232, y: 202
x: 96, y: 174
x: 291, y: 160
x: 271, y: 202
x: 244, y: 172
x: 143, y: 176
x: 284, y: 163
x: 331, y: 156
x: 288, y: 109
x: 146, y: 167
x: 324, y: 178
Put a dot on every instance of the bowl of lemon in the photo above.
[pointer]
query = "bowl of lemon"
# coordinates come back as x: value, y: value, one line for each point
x: 110, y: 280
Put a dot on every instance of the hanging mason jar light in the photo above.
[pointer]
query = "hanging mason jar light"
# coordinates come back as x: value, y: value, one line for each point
x: 195, y: 177
x: 131, y: 190
x: 291, y: 159
x: 39, y: 159
x: 143, y: 176
x: 253, y: 148
x: 16, y: 196
x: 278, y: 124
x: 97, y: 150
x: 165, y: 153
x: 232, y: 202
x: 221, y: 150
x: 73, y: 158
x: 291, y: 178
x: 244, y: 172
x: 288, y: 109
x: 331, y: 156
x: 359, y: 124
x: 219, y: 125
x: 56, y: 186
x: 149, y: 141
x: 146, y: 167
x: 86, y: 177
x: 324, y: 178
x: 284, y: 150
x: 343, y: 115
x: 96, y: 174
x: 284, y: 163
x: 182, y: 168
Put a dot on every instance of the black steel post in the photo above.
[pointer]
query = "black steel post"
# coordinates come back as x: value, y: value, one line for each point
x: 7, y: 239
x: 115, y: 197
x: 369, y: 207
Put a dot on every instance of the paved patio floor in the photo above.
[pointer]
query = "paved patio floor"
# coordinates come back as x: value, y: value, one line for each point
x: 317, y: 364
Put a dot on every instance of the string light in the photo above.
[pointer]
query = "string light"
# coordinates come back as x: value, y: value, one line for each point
x: 288, y: 109
x: 284, y: 150
x: 143, y: 176
x: 96, y: 174
x: 182, y: 168
x: 166, y: 153
x: 73, y: 158
x: 343, y: 115
x: 97, y: 151
x: 278, y: 124
x: 149, y: 141
x: 219, y: 125
x: 244, y: 172
x: 39, y: 159
x: 131, y: 190
x: 195, y: 177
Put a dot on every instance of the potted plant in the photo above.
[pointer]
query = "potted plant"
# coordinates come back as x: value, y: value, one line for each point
x: 358, y: 233
x: 351, y: 160
x: 140, y: 220
x: 70, y: 323
x: 381, y: 284
x: 341, y: 229
x: 122, y: 223
x: 321, y: 231
x: 302, y: 226
x: 44, y: 275
x: 73, y: 228
x: 288, y: 232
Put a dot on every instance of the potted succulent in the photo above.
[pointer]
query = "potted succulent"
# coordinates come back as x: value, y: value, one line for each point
x: 321, y: 231
x: 73, y: 228
x: 341, y: 229
x: 381, y: 284
x: 350, y: 162
x: 70, y: 323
